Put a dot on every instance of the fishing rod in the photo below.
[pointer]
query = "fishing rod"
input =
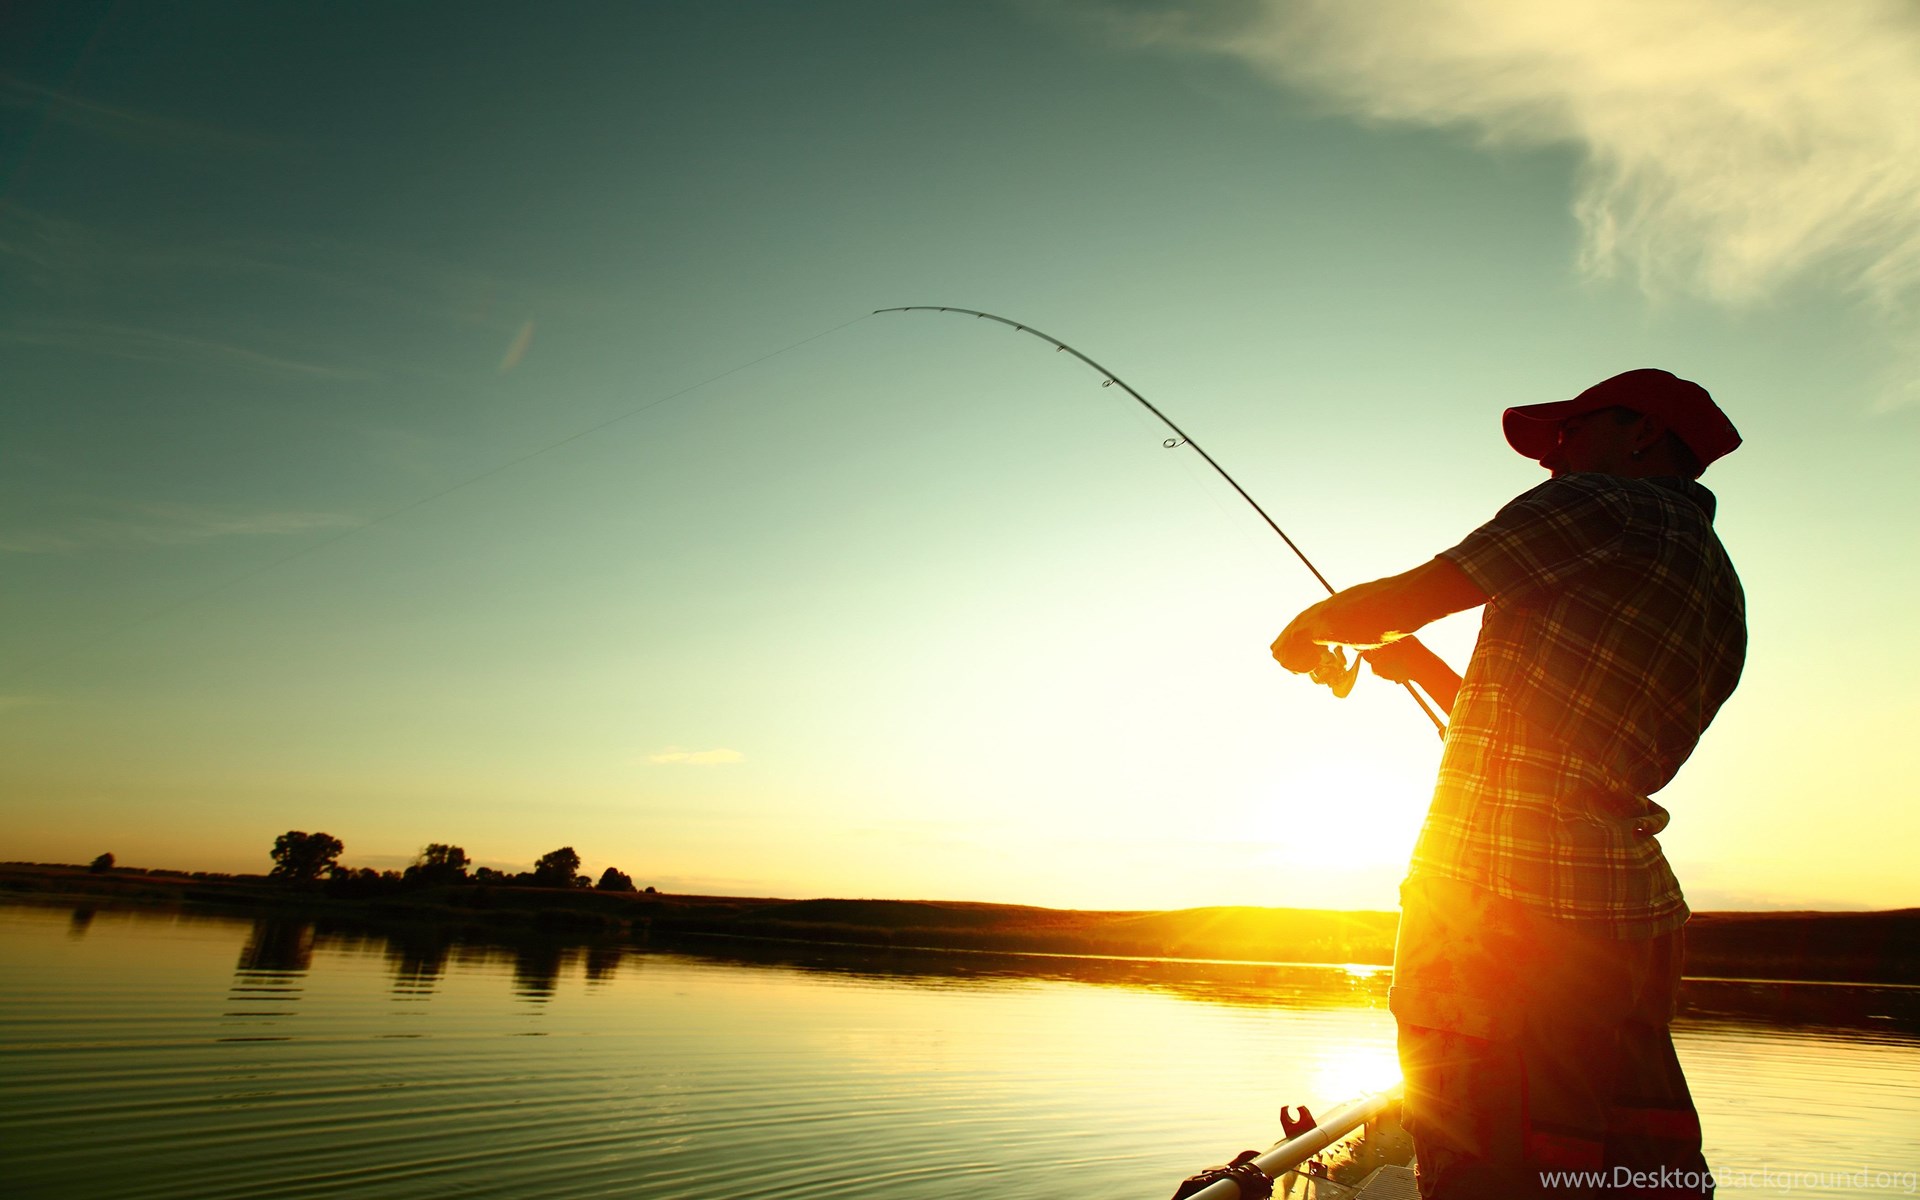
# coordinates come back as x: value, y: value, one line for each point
x: 1333, y: 669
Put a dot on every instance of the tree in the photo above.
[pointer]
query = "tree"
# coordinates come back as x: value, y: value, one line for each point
x: 101, y: 865
x: 439, y: 863
x: 556, y: 868
x: 304, y: 857
x: 434, y: 854
x: 614, y: 881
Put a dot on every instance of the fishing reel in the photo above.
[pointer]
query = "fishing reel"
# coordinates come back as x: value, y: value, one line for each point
x: 1335, y: 672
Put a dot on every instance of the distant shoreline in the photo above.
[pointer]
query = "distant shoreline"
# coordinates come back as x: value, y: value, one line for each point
x: 1755, y: 948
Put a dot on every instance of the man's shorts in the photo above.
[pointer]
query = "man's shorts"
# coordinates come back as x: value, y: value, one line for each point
x: 1537, y: 1056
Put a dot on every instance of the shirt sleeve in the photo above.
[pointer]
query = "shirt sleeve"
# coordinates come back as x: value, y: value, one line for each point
x: 1546, y: 538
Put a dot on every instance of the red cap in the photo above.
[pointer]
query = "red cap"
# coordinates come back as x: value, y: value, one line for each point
x: 1534, y: 429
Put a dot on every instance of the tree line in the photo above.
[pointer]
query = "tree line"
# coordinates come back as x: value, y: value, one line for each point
x: 308, y: 858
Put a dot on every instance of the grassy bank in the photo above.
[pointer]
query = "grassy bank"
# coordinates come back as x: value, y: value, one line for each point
x: 1881, y: 947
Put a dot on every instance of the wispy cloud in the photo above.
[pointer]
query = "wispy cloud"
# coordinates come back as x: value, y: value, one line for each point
x: 116, y: 121
x: 36, y: 541
x: 1730, y: 147
x: 165, y: 347
x: 302, y: 307
x: 47, y: 245
x: 62, y: 255
x: 1710, y: 899
x: 177, y: 523
x: 697, y: 758
x: 161, y: 525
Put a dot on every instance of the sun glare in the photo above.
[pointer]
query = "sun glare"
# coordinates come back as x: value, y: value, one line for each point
x: 1354, y: 1070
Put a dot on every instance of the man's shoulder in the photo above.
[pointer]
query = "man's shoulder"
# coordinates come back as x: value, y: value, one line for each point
x: 1620, y: 492
x: 1581, y: 498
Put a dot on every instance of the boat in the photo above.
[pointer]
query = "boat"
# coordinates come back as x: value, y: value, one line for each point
x: 1357, y: 1151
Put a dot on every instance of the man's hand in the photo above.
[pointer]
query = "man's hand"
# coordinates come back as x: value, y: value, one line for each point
x: 1409, y: 661
x: 1302, y: 645
x: 1369, y: 615
x: 1401, y: 661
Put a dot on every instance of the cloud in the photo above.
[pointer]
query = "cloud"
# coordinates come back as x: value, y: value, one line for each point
x: 35, y: 541
x: 69, y: 258
x: 52, y: 246
x: 176, y: 523
x: 1729, y: 147
x: 162, y: 525
x: 697, y: 758
x: 299, y: 307
x: 162, y: 347
x: 114, y: 121
x: 1707, y: 899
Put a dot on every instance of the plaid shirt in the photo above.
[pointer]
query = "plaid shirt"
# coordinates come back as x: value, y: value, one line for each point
x: 1615, y: 630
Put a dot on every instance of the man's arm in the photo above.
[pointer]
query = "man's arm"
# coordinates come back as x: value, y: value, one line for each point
x: 1373, y: 614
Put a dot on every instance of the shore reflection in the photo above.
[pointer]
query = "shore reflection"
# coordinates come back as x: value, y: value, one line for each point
x: 420, y: 955
x: 279, y: 950
x: 268, y: 980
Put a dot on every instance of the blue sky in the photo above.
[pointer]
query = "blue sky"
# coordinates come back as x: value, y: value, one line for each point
x: 916, y: 607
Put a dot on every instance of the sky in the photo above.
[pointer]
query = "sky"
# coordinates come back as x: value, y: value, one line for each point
x: 462, y: 423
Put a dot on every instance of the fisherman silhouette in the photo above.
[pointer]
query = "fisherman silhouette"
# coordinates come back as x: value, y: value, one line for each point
x: 1540, y: 943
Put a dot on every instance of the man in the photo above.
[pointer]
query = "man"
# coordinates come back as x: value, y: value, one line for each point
x: 1539, y: 949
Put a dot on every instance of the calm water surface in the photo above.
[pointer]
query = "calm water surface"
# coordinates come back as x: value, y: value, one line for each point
x: 157, y: 1055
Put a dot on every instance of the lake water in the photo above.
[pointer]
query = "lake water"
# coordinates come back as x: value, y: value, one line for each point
x: 148, y: 1054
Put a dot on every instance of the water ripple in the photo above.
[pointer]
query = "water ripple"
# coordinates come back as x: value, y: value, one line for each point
x: 219, y: 1061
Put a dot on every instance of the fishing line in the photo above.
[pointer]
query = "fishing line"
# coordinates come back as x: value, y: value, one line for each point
x: 1181, y: 438
x: 326, y: 543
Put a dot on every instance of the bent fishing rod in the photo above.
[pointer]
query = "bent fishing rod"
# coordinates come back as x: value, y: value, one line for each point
x: 1333, y: 669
